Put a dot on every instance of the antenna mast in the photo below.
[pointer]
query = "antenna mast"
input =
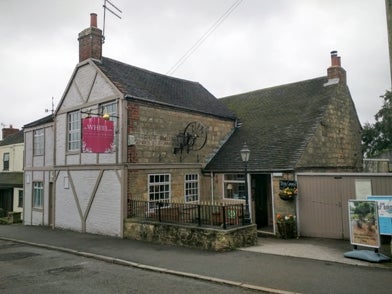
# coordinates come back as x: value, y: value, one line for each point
x: 105, y: 7
x: 47, y: 110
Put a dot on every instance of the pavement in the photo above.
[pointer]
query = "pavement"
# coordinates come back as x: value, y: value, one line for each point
x: 187, y: 262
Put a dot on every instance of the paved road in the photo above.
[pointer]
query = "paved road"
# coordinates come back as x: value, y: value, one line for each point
x: 27, y: 269
x: 242, y: 267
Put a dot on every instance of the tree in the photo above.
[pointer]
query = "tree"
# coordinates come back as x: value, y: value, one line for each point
x: 377, y: 137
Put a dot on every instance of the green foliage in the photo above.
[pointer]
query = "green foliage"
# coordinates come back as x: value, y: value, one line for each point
x: 377, y: 137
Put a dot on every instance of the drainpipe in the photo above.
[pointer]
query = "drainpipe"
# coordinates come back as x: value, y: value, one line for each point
x: 212, y: 187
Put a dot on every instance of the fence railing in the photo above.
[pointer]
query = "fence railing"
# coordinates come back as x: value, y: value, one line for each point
x: 203, y: 215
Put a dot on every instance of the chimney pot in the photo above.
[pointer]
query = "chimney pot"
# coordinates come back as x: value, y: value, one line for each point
x: 93, y: 20
x: 90, y: 41
x: 335, y: 59
x: 336, y: 70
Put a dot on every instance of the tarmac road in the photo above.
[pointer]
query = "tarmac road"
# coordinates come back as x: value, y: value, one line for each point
x: 28, y: 269
x: 270, y: 273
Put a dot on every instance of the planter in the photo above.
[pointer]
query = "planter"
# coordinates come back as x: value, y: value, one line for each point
x: 287, y: 230
x: 286, y: 197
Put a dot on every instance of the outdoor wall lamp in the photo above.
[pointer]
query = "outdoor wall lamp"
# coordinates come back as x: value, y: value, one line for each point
x: 245, y: 153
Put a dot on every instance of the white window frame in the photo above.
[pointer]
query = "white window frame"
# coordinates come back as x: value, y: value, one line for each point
x: 111, y: 108
x: 159, y: 189
x: 38, y: 142
x: 191, y: 188
x: 74, y: 131
x: 6, y: 161
x: 38, y: 195
x: 236, y: 186
x: 20, y: 198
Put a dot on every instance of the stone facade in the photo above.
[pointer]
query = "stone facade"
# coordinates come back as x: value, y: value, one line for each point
x: 154, y: 129
x: 194, y: 237
x: 336, y: 144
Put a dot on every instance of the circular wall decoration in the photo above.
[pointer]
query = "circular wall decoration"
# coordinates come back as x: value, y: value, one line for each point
x: 196, y: 134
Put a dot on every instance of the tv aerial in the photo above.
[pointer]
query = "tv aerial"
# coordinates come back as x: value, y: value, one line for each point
x: 110, y: 9
x: 52, y: 110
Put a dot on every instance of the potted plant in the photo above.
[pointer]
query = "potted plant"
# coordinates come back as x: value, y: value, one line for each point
x: 287, y: 226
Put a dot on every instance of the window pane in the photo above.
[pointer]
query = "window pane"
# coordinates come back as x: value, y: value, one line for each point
x: 159, y: 189
x: 74, y: 131
x: 191, y: 187
x: 38, y: 145
x: 234, y: 186
x: 37, y: 194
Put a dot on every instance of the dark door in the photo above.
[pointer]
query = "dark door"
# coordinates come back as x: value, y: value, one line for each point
x: 261, y: 195
x: 6, y: 199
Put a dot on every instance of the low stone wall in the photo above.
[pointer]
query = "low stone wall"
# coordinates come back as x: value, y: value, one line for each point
x: 195, y: 237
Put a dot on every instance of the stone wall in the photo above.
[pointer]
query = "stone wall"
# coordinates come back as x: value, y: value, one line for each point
x: 194, y: 237
x: 336, y: 145
x: 155, y: 129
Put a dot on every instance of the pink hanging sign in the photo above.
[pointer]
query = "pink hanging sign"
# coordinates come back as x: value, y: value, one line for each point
x: 97, y: 135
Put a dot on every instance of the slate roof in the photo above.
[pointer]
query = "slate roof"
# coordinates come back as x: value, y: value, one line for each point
x: 13, y: 139
x: 277, y: 124
x: 141, y: 84
x: 11, y: 179
x: 47, y: 119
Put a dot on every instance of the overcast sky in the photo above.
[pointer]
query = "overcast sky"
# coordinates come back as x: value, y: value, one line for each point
x: 262, y: 43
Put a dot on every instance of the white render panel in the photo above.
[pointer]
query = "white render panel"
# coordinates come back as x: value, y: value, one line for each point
x: 72, y: 98
x: 61, y: 138
x: 84, y: 79
x: 73, y: 158
x: 89, y: 158
x: 107, y: 158
x: 38, y: 161
x: 101, y: 89
x: 28, y: 148
x: 66, y: 215
x: 84, y: 182
x: 37, y: 216
x: 49, y: 146
x: 105, y: 213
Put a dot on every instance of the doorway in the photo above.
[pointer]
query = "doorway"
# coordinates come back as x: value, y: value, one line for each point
x: 262, y: 202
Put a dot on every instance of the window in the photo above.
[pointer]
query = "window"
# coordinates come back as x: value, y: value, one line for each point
x: 20, y: 198
x: 234, y: 186
x: 109, y: 108
x: 191, y: 185
x: 38, y: 190
x: 74, y: 131
x: 6, y: 161
x: 158, y: 189
x: 38, y: 145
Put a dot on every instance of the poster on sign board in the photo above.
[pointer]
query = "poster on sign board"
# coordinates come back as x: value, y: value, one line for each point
x: 97, y: 135
x: 363, y: 218
x: 384, y: 213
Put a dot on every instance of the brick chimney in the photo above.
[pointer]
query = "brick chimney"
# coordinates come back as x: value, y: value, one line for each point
x: 6, y: 132
x: 90, y: 41
x: 336, y: 71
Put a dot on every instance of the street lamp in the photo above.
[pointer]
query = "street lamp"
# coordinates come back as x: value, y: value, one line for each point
x: 245, y: 152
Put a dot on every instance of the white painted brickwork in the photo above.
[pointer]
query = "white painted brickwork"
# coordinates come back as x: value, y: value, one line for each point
x: 105, y: 213
x: 61, y: 138
x: 84, y: 80
x: 67, y: 215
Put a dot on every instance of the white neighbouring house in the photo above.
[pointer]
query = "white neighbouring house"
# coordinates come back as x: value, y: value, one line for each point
x: 11, y: 170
